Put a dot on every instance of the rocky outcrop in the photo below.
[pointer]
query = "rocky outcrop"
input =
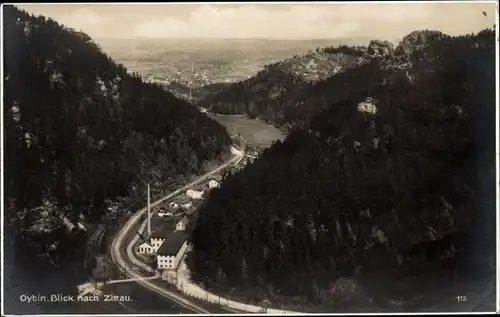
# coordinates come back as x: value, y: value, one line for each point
x: 273, y: 93
x: 378, y: 48
x: 417, y: 40
x: 313, y: 66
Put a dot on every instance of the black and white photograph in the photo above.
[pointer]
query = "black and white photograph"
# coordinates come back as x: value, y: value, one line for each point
x: 249, y: 158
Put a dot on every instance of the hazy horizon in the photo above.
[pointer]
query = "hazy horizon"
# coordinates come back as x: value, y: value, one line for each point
x: 208, y: 39
x: 267, y: 21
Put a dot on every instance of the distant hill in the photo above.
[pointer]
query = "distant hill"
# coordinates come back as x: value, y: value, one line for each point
x: 196, y: 94
x: 81, y: 134
x: 209, y: 90
x: 178, y: 89
x: 373, y: 197
x: 277, y: 93
x: 320, y: 64
x: 271, y: 94
x: 418, y: 40
x: 216, y: 60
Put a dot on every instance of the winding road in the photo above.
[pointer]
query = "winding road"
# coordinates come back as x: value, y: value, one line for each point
x: 123, y: 256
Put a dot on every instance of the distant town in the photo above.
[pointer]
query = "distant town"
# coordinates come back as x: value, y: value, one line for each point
x: 284, y: 161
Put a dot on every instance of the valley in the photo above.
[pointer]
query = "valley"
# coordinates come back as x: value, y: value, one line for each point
x: 344, y: 175
x: 254, y: 131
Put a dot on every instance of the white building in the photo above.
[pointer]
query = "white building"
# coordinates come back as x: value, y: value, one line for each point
x: 165, y: 214
x: 182, y: 224
x: 235, y: 151
x: 187, y: 206
x: 146, y: 248
x: 171, y: 252
x: 157, y: 239
x: 194, y: 194
x: 213, y: 184
x: 184, y: 201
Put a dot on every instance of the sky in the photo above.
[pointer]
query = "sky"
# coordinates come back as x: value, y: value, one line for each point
x: 268, y: 21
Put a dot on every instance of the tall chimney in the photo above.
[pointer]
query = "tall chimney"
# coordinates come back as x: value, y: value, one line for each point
x: 149, y: 211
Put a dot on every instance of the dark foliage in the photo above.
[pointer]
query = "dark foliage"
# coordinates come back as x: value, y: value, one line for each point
x: 353, y: 193
x: 274, y: 94
x: 80, y: 131
x: 356, y: 51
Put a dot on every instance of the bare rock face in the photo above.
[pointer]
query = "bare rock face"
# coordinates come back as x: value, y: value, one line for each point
x: 417, y: 40
x: 380, y: 48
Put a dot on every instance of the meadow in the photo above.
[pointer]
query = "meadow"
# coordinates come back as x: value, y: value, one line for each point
x: 255, y: 131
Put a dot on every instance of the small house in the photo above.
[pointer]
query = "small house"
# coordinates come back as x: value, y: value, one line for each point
x: 187, y: 206
x: 213, y: 184
x: 157, y: 238
x: 235, y: 151
x: 170, y: 254
x: 194, y: 194
x: 164, y: 213
x: 184, y: 202
x: 182, y: 224
x: 218, y: 178
x: 146, y: 248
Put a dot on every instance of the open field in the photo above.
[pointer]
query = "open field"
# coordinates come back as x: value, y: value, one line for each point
x: 256, y: 132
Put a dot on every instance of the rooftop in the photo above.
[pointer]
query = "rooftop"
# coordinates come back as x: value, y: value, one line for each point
x: 184, y: 220
x: 162, y: 233
x: 216, y: 177
x: 182, y: 199
x: 198, y: 187
x: 173, y: 243
x: 166, y: 209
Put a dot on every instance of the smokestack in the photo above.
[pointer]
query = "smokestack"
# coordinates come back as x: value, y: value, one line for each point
x: 149, y: 211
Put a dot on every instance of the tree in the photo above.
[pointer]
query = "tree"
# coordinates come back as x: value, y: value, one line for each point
x: 315, y: 292
x: 84, y: 135
x: 221, y: 276
x: 326, y: 201
x: 244, y: 269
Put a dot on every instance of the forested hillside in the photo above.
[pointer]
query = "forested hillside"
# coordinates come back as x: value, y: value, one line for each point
x: 384, y: 186
x: 80, y: 133
x: 288, y: 93
x: 271, y: 94
x: 194, y: 94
